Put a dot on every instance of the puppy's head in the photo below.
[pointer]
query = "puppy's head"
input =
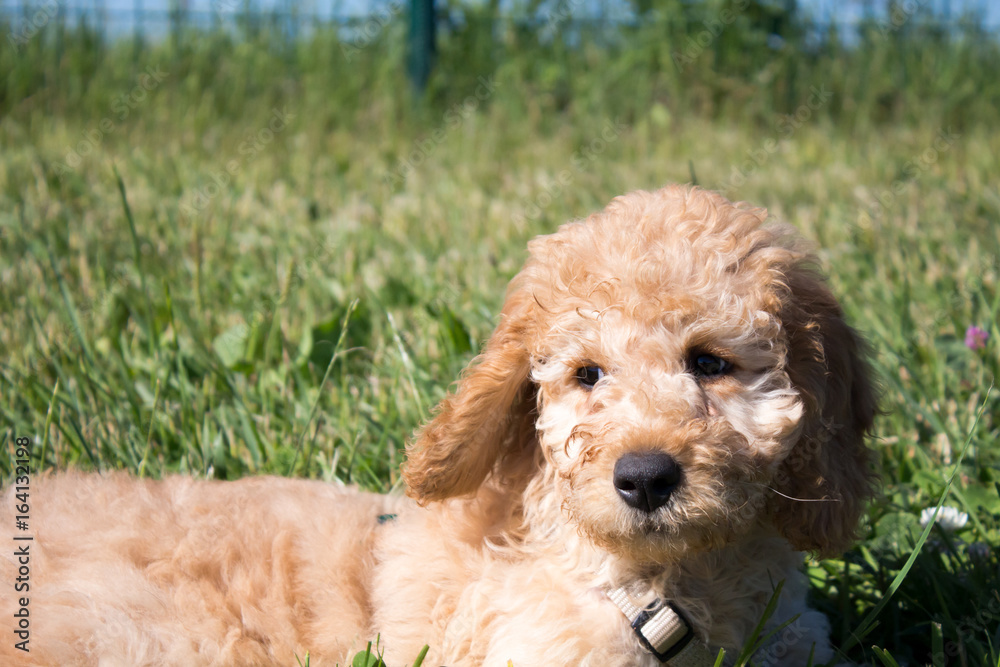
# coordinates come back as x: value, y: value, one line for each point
x: 682, y: 374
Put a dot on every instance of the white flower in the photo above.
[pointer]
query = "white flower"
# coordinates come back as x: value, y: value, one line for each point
x: 949, y: 518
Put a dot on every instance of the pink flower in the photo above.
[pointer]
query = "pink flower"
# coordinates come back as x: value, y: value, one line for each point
x: 975, y: 338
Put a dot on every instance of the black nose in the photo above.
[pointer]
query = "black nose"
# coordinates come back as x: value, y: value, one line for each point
x: 645, y: 480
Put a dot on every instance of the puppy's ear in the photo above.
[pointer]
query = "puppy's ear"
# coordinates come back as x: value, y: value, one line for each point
x: 487, y: 417
x: 828, y: 472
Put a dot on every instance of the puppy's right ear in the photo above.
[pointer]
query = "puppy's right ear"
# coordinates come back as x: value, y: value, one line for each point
x: 483, y: 420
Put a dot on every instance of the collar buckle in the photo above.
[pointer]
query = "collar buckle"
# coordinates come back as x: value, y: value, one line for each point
x: 663, y: 630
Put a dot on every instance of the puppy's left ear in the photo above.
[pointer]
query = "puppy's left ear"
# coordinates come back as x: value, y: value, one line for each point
x: 486, y: 419
x: 827, y: 476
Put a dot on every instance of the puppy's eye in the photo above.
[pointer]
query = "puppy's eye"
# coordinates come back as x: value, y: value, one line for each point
x: 705, y: 365
x: 588, y: 376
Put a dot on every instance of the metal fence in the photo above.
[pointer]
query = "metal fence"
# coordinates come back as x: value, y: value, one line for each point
x: 814, y: 20
x: 158, y: 17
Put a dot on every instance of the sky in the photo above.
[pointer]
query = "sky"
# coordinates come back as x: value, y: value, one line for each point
x: 121, y: 14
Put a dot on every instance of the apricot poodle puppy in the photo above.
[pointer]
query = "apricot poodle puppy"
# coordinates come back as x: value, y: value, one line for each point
x: 669, y: 412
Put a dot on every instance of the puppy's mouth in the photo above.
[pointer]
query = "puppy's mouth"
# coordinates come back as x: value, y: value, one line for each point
x: 655, y: 538
x: 655, y: 523
x: 650, y: 529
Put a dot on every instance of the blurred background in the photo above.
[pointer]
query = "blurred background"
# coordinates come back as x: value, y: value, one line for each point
x: 241, y: 238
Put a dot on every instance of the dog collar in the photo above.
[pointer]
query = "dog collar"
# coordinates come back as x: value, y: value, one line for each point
x: 662, y: 629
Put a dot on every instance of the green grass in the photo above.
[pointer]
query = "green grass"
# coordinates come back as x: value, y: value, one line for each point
x: 303, y: 314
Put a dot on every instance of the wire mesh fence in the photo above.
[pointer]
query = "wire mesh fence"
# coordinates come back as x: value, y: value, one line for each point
x: 157, y: 18
x: 883, y: 59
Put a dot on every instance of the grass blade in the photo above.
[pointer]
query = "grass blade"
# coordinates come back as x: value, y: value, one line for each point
x: 867, y: 623
x: 154, y: 342
x: 420, y: 657
x: 48, y: 423
x: 337, y: 351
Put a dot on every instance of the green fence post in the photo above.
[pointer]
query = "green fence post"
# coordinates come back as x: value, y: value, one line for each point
x: 422, y: 29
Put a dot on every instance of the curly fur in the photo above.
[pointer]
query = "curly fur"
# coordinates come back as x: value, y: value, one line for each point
x: 514, y: 531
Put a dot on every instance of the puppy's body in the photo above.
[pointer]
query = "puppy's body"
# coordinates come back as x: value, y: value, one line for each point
x: 482, y: 599
x: 255, y: 572
x: 671, y: 405
x: 182, y: 572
